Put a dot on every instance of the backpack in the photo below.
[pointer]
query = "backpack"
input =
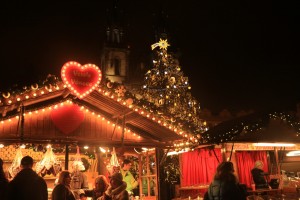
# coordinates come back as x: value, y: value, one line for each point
x: 219, y: 190
x: 215, y: 190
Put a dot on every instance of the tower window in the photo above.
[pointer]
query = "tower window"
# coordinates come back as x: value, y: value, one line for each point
x: 116, y: 36
x: 117, y: 66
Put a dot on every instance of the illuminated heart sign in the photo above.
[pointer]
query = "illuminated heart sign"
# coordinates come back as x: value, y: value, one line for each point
x: 81, y: 79
x: 67, y: 118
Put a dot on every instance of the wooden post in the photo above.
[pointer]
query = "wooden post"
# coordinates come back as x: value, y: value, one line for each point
x: 67, y: 157
x: 278, y: 168
x: 223, y: 151
x: 140, y: 174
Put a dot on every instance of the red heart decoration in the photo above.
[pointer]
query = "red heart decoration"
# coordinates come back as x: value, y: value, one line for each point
x: 67, y: 118
x: 81, y: 80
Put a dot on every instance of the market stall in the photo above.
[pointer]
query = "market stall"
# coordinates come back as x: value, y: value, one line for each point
x: 78, y: 111
x: 266, y: 136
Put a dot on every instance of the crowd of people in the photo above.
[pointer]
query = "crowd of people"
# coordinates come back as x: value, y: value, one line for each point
x: 225, y: 185
x: 28, y: 185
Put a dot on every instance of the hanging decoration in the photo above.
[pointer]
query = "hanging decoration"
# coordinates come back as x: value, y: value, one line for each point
x: 77, y: 164
x: 171, y: 173
x: 48, y: 165
x: 120, y: 91
x: 15, y: 165
x: 67, y: 118
x: 129, y: 101
x: 81, y: 79
x: 113, y: 164
x: 77, y: 167
x: 162, y: 44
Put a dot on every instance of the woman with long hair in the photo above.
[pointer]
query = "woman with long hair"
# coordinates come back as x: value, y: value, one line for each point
x: 116, y: 189
x: 62, y: 190
x: 101, y: 184
x: 225, y: 185
x: 3, y: 182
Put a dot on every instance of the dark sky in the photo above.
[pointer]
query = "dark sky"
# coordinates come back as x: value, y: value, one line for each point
x: 237, y: 54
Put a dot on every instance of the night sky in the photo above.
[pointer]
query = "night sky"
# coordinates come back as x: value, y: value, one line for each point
x: 238, y: 55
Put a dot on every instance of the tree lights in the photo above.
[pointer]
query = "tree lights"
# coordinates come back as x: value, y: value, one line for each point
x: 167, y: 90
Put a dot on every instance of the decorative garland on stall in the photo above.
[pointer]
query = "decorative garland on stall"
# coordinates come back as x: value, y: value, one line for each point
x: 228, y: 131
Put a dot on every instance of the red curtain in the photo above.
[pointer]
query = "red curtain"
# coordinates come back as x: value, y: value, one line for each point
x: 199, y: 166
x: 245, y: 162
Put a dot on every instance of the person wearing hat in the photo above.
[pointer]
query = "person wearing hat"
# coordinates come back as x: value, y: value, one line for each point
x: 3, y: 182
x: 258, y: 175
x: 117, y: 189
x: 27, y: 184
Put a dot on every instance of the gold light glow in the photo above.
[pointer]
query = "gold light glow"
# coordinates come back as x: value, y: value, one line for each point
x: 273, y: 144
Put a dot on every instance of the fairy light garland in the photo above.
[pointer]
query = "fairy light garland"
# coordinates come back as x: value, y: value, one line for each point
x: 149, y: 115
x: 287, y: 118
x: 59, y: 86
x: 251, y: 127
x: 56, y: 106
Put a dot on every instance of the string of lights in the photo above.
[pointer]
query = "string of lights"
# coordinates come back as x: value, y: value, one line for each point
x: 251, y: 125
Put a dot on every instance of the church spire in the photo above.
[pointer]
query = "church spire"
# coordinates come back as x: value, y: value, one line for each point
x: 115, y: 53
x: 114, y: 27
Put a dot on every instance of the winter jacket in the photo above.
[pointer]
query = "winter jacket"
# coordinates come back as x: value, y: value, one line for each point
x: 3, y: 189
x: 129, y: 179
x: 61, y: 192
x: 225, y: 190
x: 119, y: 193
x: 79, y: 180
x: 93, y: 193
x: 258, y: 176
x: 27, y: 185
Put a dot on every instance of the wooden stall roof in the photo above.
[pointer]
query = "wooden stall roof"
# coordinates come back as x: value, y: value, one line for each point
x: 144, y: 130
x: 274, y: 125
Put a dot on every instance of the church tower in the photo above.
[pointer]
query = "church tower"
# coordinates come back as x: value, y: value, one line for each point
x: 115, y: 52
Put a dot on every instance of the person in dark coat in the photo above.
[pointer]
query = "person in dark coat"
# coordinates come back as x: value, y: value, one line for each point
x: 258, y: 176
x: 3, y: 182
x: 225, y: 185
x: 62, y: 190
x: 27, y: 184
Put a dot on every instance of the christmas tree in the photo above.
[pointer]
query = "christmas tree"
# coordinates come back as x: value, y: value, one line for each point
x: 168, y: 89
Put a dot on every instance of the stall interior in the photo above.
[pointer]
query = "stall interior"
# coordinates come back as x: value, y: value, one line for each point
x: 282, y: 170
x: 90, y: 161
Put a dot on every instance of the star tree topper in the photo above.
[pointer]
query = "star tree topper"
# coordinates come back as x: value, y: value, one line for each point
x: 162, y: 44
